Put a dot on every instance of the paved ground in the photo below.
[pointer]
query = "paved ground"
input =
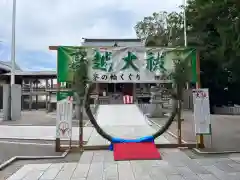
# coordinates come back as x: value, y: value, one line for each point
x: 124, y: 121
x: 120, y: 115
x: 225, y: 131
x: 37, y: 118
x: 10, y: 170
x: 45, y: 132
x: 99, y: 165
x: 117, y: 124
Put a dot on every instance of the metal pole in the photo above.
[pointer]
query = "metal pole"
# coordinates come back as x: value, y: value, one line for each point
x: 13, y: 43
x: 184, y: 23
x: 179, y: 113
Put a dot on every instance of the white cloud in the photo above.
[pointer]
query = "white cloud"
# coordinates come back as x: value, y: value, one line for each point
x: 41, y: 23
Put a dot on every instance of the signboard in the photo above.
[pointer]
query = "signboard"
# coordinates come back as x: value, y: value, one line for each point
x: 64, y: 118
x: 124, y: 64
x: 201, y: 111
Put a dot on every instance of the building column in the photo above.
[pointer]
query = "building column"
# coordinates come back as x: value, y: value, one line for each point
x: 22, y: 98
x: 46, y: 99
x: 49, y: 107
x: 134, y: 92
x: 97, y: 88
x: 30, y: 95
x: 115, y: 88
x: 36, y: 94
x: 51, y: 84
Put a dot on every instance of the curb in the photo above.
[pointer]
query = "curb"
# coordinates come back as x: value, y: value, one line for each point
x: 34, y: 139
x: 26, y: 143
x: 16, y: 158
x: 214, y: 152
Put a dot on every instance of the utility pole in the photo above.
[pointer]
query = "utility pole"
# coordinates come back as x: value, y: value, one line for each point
x: 179, y: 113
x: 13, y: 46
x: 185, y: 23
x: 13, y: 52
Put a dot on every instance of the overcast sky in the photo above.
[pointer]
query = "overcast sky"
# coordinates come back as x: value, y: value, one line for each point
x: 41, y: 23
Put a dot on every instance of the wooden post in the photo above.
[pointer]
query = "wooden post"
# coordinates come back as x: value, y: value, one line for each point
x: 57, y: 144
x: 200, y: 137
x: 179, y: 121
x: 57, y: 140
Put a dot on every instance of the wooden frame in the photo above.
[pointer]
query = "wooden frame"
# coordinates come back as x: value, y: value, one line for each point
x: 200, y: 138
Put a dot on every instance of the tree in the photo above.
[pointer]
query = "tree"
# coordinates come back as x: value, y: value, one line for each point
x: 212, y: 28
x: 165, y: 29
x: 152, y: 29
x: 216, y: 26
x: 161, y: 28
x: 80, y: 80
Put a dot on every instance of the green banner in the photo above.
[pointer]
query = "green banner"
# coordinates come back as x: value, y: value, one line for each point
x: 194, y: 67
x: 124, y: 64
x: 68, y: 59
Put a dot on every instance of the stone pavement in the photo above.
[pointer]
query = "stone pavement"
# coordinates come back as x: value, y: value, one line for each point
x: 123, y: 121
x: 100, y: 165
x: 225, y: 131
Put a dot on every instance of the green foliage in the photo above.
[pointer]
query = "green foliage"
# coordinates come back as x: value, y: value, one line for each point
x: 153, y: 27
x: 161, y: 29
x: 217, y: 24
x: 213, y: 27
x: 181, y: 74
x: 80, y: 67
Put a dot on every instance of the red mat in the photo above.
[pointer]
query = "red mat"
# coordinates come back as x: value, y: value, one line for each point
x: 135, y: 151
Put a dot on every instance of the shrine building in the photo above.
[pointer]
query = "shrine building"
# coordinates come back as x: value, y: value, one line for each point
x: 139, y: 91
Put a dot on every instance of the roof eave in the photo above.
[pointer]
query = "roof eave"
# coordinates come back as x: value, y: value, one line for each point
x: 112, y: 40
